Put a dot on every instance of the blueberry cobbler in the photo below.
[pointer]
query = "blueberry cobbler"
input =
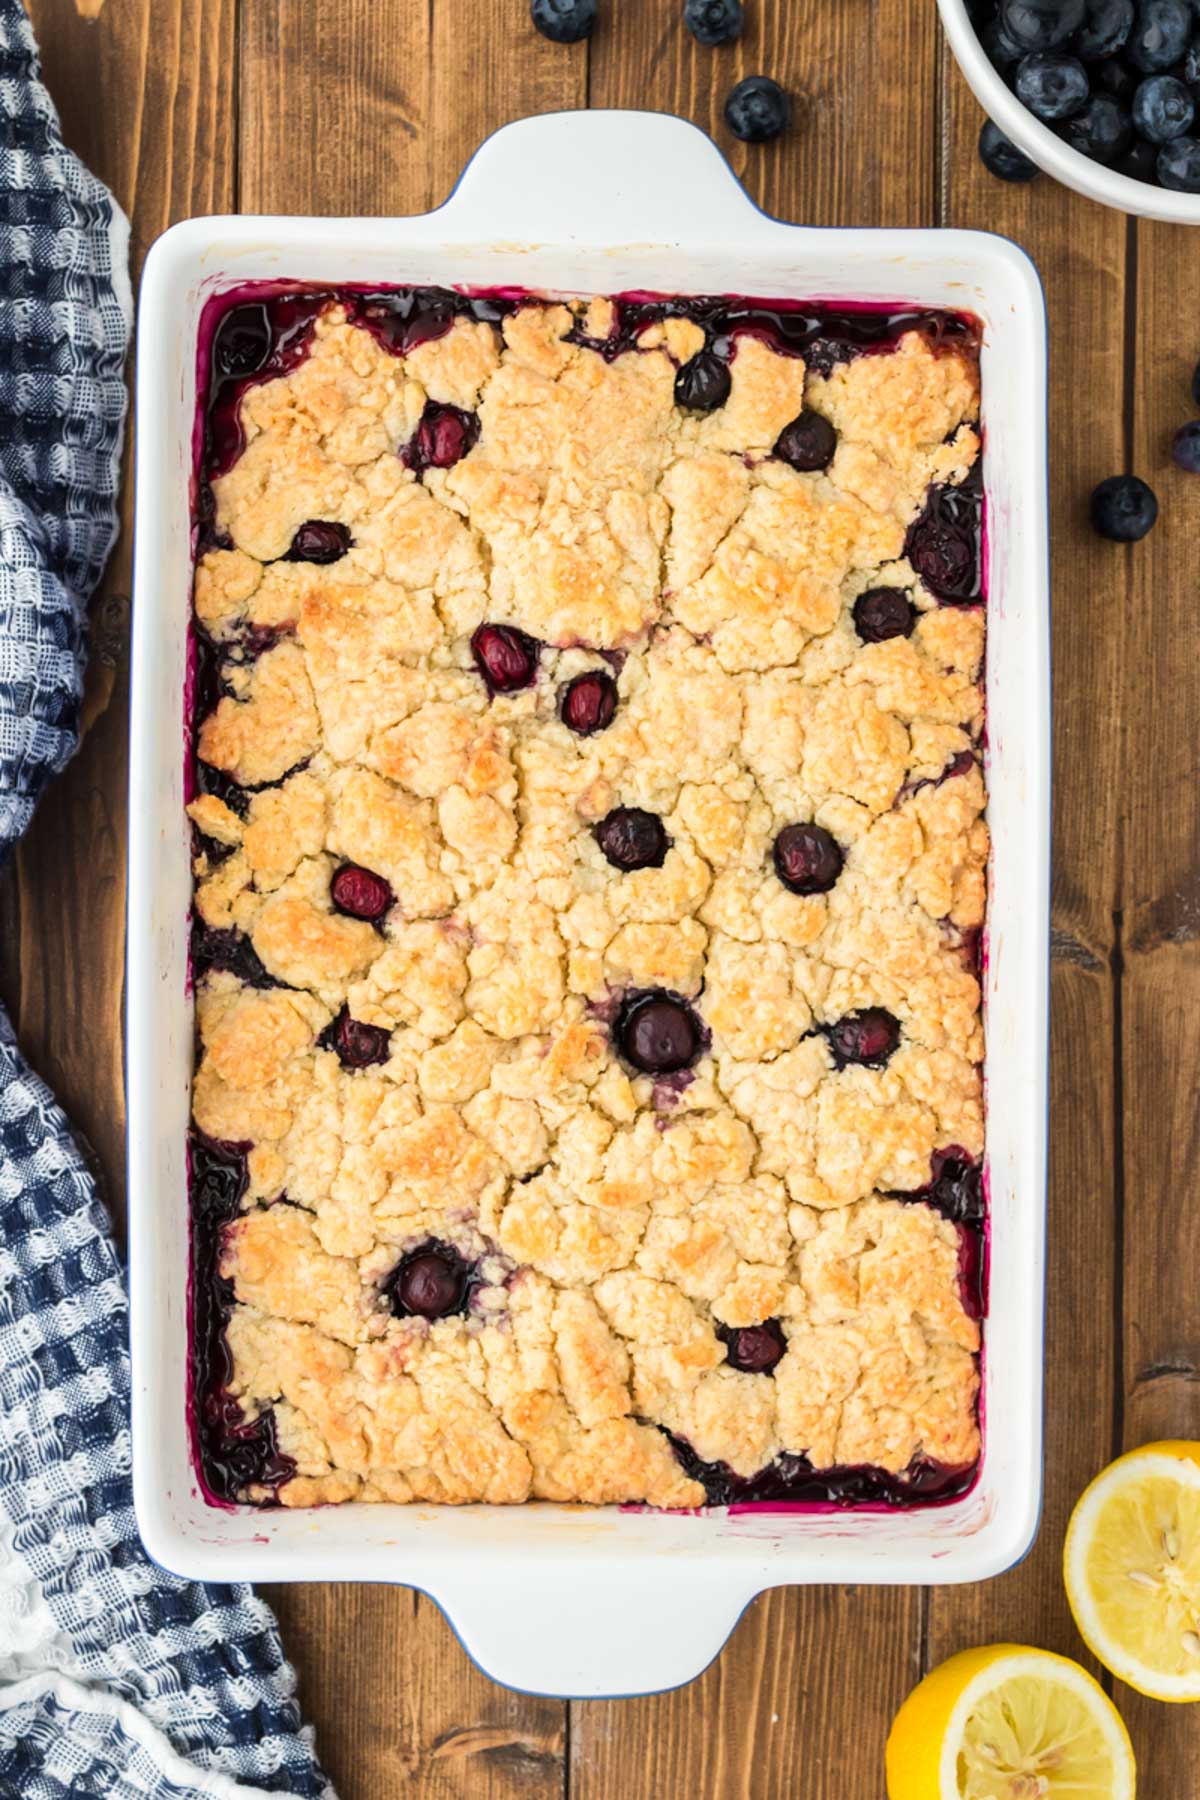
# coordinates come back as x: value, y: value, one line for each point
x: 590, y: 869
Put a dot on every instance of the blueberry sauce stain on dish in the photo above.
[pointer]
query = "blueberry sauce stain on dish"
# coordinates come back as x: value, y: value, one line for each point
x: 793, y: 1479
x: 233, y: 1453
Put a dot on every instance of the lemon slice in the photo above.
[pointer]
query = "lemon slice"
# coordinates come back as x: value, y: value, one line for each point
x: 1008, y: 1723
x: 1132, y: 1569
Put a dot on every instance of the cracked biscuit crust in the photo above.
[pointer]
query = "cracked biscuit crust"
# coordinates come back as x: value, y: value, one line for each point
x: 618, y: 1227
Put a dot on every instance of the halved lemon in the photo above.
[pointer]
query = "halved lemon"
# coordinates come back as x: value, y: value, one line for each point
x: 1009, y: 1723
x: 1132, y: 1568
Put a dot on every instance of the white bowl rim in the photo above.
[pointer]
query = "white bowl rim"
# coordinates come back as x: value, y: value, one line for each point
x: 1049, y: 152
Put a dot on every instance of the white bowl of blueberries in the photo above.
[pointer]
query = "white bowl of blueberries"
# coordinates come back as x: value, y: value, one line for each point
x: 1102, y: 94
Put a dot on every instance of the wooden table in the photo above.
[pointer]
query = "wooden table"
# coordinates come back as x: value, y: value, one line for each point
x: 372, y: 106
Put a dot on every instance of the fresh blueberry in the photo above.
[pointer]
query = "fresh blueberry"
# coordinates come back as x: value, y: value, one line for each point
x: 808, y: 443
x: 703, y: 383
x: 360, y: 892
x: 808, y: 859
x: 882, y: 613
x: 1185, y: 447
x: 713, y: 22
x: 357, y: 1045
x: 632, y: 838
x: 1000, y: 156
x: 319, y: 541
x: 1162, y: 108
x: 1101, y: 129
x: 1140, y: 161
x: 757, y: 109
x: 429, y: 1283
x: 1001, y: 49
x: 754, y: 1349
x: 242, y: 341
x: 869, y: 1037
x: 1051, y: 85
x: 1123, y: 508
x: 1179, y: 165
x: 658, y: 1032
x: 505, y: 657
x: 1160, y: 35
x: 564, y: 21
x: 589, y: 703
x: 1104, y: 30
x: 1116, y: 79
x: 1189, y: 69
x: 1041, y: 24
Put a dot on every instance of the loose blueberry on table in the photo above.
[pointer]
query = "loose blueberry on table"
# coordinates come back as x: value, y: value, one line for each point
x: 1001, y: 156
x: 564, y: 21
x: 1123, y: 508
x: 714, y: 22
x: 1185, y: 447
x: 757, y: 109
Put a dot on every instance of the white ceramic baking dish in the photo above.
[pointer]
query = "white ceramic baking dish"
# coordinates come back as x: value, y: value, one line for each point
x: 551, y: 1598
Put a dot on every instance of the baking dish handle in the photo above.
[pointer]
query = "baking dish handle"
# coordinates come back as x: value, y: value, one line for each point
x: 588, y: 1630
x: 598, y: 177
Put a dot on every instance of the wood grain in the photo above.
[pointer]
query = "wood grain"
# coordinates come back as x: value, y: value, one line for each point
x: 1159, y: 903
x: 1081, y: 253
x: 800, y: 1701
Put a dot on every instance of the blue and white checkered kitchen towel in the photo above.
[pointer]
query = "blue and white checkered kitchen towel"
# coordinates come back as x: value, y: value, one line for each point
x: 116, y: 1680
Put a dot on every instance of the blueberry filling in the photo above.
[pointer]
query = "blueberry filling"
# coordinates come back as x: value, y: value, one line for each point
x: 506, y: 657
x: 754, y: 1349
x: 632, y: 838
x: 242, y: 342
x: 360, y: 893
x: 230, y: 952
x: 869, y: 1038
x: 431, y: 1282
x: 358, y: 1045
x: 703, y: 383
x: 808, y: 443
x: 793, y: 1478
x: 320, y: 541
x: 943, y: 543
x: 442, y: 438
x: 808, y: 859
x: 233, y: 1453
x: 882, y: 613
x: 955, y: 1189
x: 589, y: 703
x: 657, y: 1032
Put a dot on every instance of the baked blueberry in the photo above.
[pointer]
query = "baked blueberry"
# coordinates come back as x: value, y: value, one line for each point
x: 882, y: 613
x: 754, y: 1349
x: 757, y: 109
x: 1185, y: 447
x: 564, y: 21
x: 1101, y: 129
x: 360, y: 892
x: 1106, y: 26
x: 358, y: 1045
x: 658, y: 1032
x: 506, y: 657
x: 320, y: 541
x: 1179, y: 165
x: 429, y: 1283
x: 443, y: 436
x: 589, y: 703
x: 242, y: 341
x: 1160, y: 34
x: 703, y: 382
x: 632, y: 838
x: 1123, y: 508
x: 1040, y: 24
x: 943, y: 545
x: 713, y: 22
x: 808, y: 859
x: 808, y: 443
x: 1000, y: 156
x: 1051, y: 85
x: 1163, y: 108
x: 868, y: 1037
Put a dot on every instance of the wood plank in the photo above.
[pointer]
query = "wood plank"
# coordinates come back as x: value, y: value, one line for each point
x: 164, y: 66
x: 1081, y: 252
x: 800, y: 1700
x: 1160, y: 903
x: 413, y: 89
